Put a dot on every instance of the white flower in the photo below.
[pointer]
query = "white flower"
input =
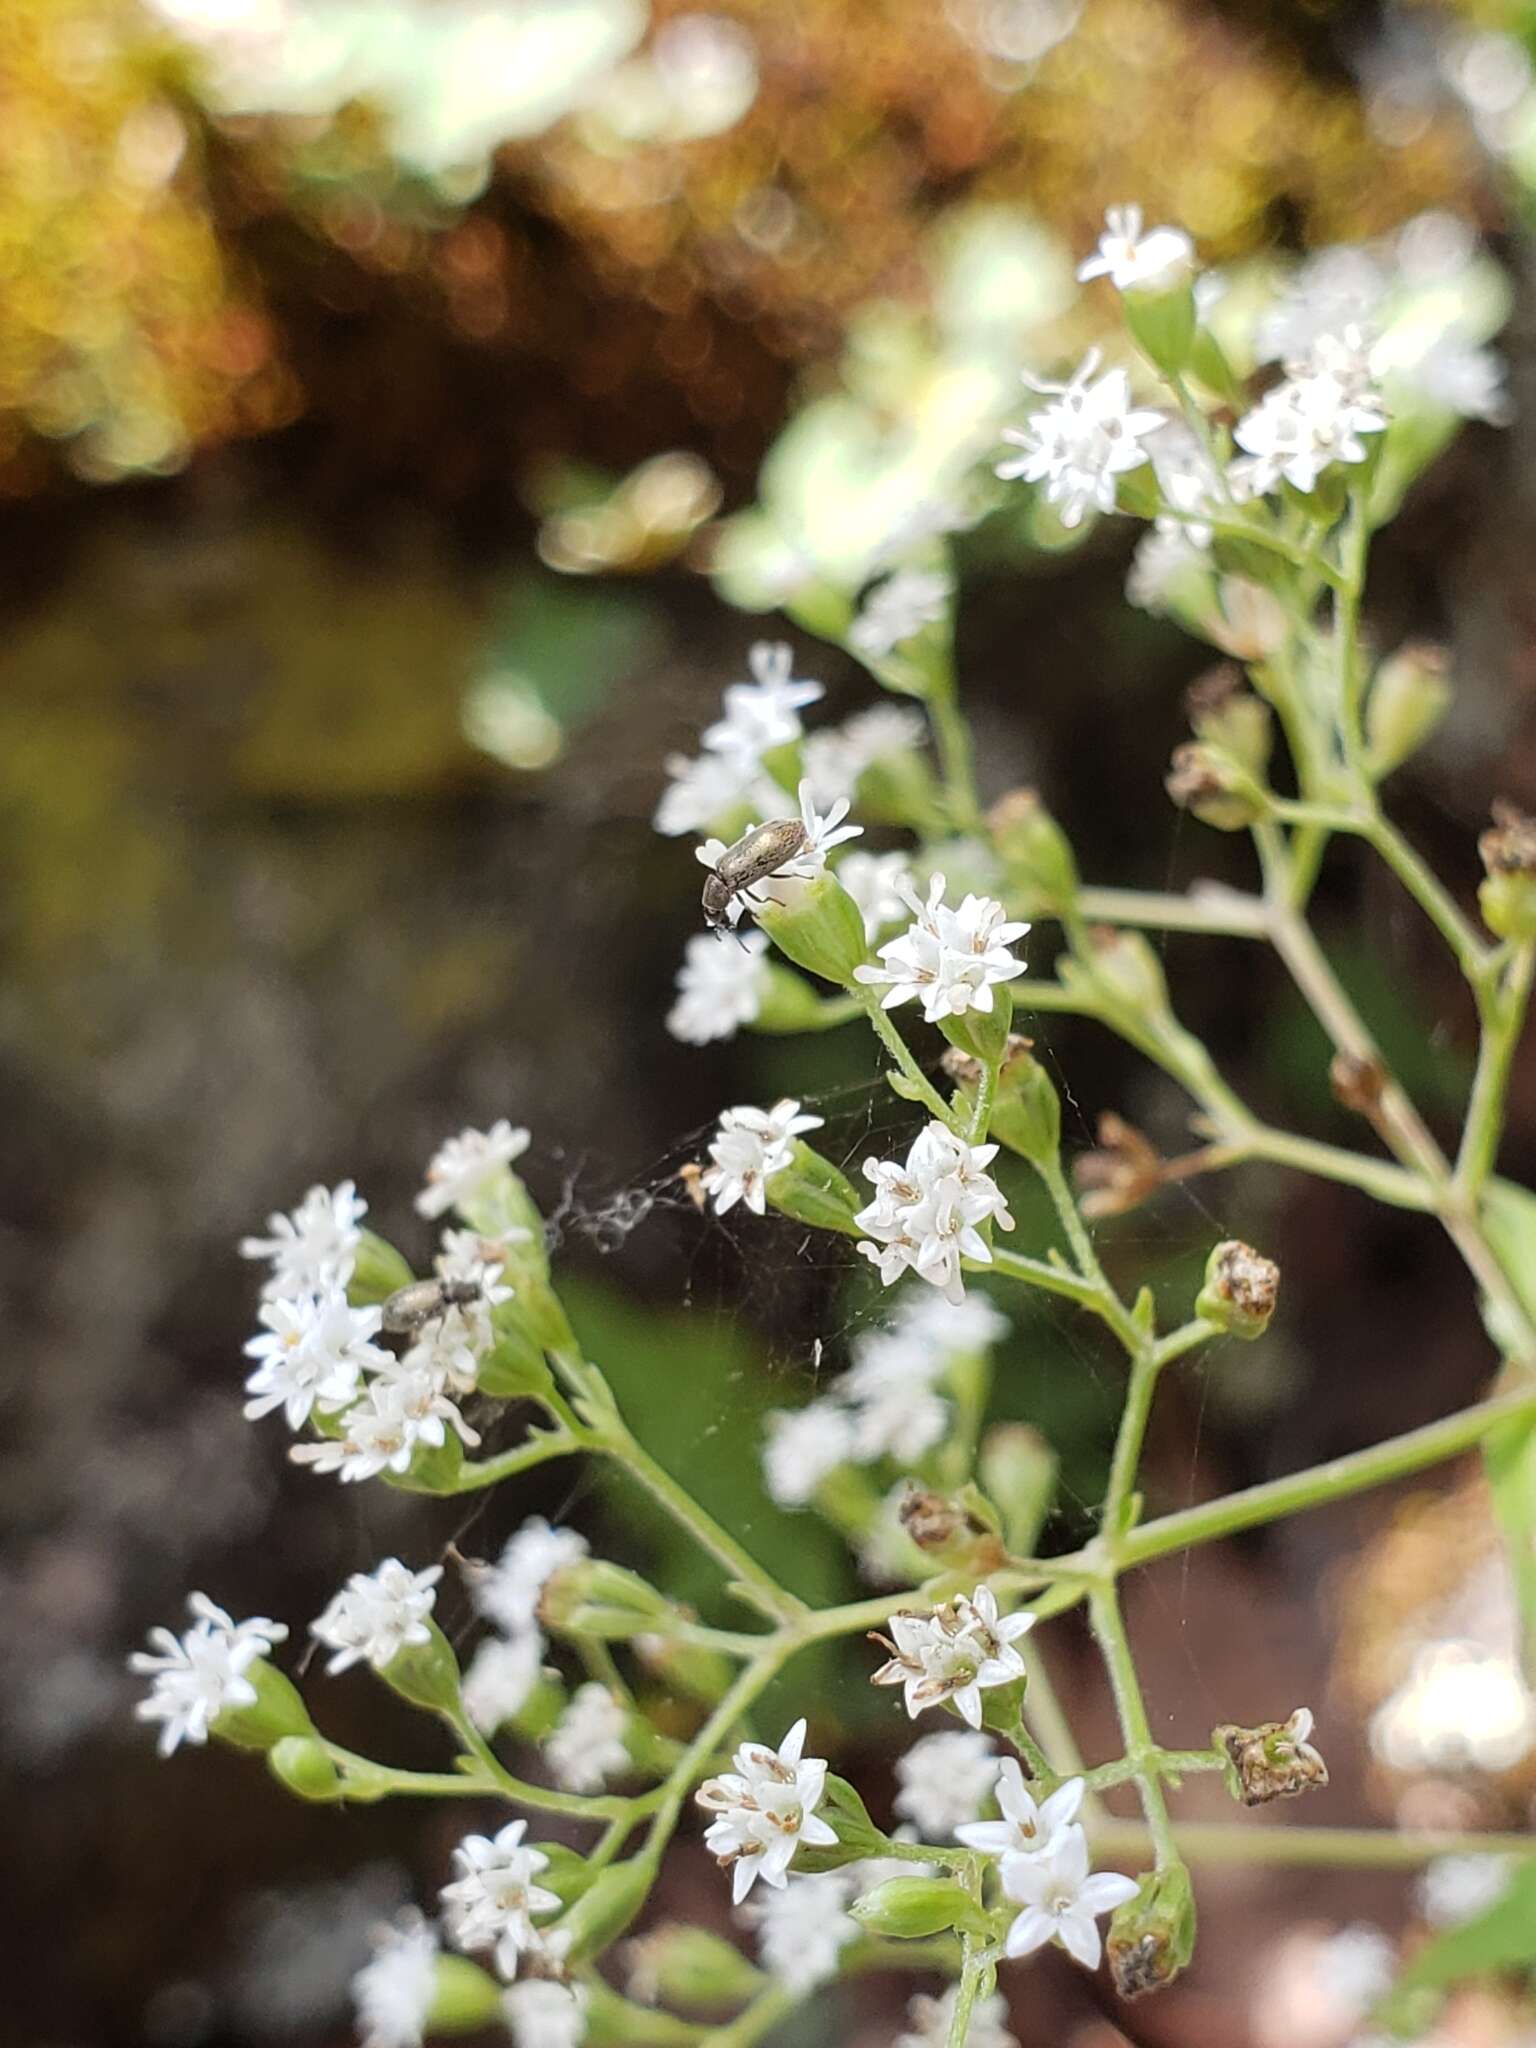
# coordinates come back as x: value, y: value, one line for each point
x: 1061, y: 1901
x: 802, y: 1929
x: 834, y: 758
x: 956, y: 1652
x: 1077, y: 445
x: 895, y: 1410
x: 764, y: 713
x: 543, y: 2014
x: 463, y: 1165
x: 944, y: 1778
x: 951, y: 959
x: 394, y: 1990
x: 1133, y: 261
x: 1457, y: 1888
x: 1313, y: 419
x: 1466, y: 378
x: 416, y: 1386
x: 764, y: 1810
x: 1026, y: 1829
x: 1161, y: 564
x: 929, y: 2021
x: 201, y: 1673
x: 927, y: 1324
x: 314, y: 1350
x: 823, y: 831
x: 587, y: 1748
x: 750, y: 1146
x: 898, y: 608
x: 492, y: 1903
x: 1355, y: 1967
x: 314, y: 1247
x: 507, y: 1593
x: 376, y: 1614
x: 502, y: 1673
x: 381, y: 1432
x: 456, y: 1339
x: 880, y: 884
x: 1335, y: 288
x: 925, y: 1211
x: 1190, y: 487
x: 719, y: 988
x: 803, y: 1446
x: 705, y: 791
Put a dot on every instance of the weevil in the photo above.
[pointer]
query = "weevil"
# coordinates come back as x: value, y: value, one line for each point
x: 756, y: 857
x: 412, y: 1307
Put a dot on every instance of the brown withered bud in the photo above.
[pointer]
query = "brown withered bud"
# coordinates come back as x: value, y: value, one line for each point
x: 1220, y: 793
x: 1209, y: 694
x: 1152, y: 1936
x: 1357, y: 1083
x: 1508, y: 847
x: 964, y: 1068
x: 944, y: 1528
x: 1240, y: 1291
x: 1120, y: 1175
x: 692, y: 1178
x: 1273, y: 1761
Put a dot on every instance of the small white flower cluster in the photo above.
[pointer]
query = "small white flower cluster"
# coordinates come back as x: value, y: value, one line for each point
x: 943, y: 1781
x: 1087, y: 436
x: 748, y: 1149
x: 803, y: 1927
x: 1043, y: 1868
x: 492, y: 1903
x: 875, y: 882
x: 834, y: 759
x: 506, y: 1666
x: 1137, y: 262
x: 927, y: 1208
x: 587, y: 1748
x: 929, y: 2021
x: 316, y: 1355
x: 202, y: 1673
x: 954, y: 1653
x: 719, y: 988
x: 887, y: 1403
x: 949, y: 959
x: 1311, y: 420
x: 898, y: 609
x: 394, y: 1990
x: 377, y: 1614
x: 729, y: 775
x: 764, y: 1810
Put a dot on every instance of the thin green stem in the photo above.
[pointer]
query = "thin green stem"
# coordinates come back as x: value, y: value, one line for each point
x: 952, y: 736
x: 537, y: 1449
x: 1039, y: 1273
x: 1502, y: 1011
x: 1105, y: 1303
x: 375, y: 1779
x: 1140, y: 1749
x: 749, y: 1683
x: 1342, y: 1848
x: 922, y: 1088
x: 1219, y: 912
x: 972, y: 1969
x: 1167, y: 1763
x: 578, y: 1805
x: 760, y: 2017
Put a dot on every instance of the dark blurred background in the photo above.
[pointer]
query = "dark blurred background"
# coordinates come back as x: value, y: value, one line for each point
x: 340, y: 650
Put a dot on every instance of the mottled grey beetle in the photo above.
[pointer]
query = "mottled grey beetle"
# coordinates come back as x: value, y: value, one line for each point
x: 412, y: 1307
x: 756, y: 856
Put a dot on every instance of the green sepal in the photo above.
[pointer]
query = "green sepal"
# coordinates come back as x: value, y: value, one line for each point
x: 909, y: 1908
x: 278, y: 1710
x: 426, y: 1674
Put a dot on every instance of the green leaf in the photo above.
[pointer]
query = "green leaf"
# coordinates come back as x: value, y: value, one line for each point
x: 1502, y: 1939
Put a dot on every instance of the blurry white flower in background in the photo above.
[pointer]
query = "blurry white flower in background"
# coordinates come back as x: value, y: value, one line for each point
x: 1462, y: 1707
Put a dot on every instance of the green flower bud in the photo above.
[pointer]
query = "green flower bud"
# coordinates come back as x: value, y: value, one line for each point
x: 1036, y: 851
x: 379, y: 1271
x: 983, y: 1033
x: 1002, y: 1706
x: 814, y: 1191
x: 690, y: 1970
x: 1409, y: 697
x: 1122, y: 972
x: 1162, y: 319
x: 857, y: 1836
x: 278, y: 1710
x: 1208, y: 364
x: 426, y: 1674
x: 1018, y: 1470
x: 605, y: 1909
x: 1508, y: 897
x: 818, y: 926
x: 908, y: 1908
x: 789, y: 1004
x: 1152, y: 1937
x: 1253, y: 623
x: 302, y: 1764
x: 956, y: 1533
x: 1216, y: 788
x: 465, y: 1998
x: 595, y: 1598
x: 1231, y: 718
x: 688, y: 1668
x: 1240, y: 1291
x: 899, y: 788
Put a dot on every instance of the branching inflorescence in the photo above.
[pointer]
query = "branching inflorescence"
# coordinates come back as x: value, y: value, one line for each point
x: 1261, y: 511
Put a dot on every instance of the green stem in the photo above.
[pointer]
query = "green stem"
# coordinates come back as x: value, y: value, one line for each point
x: 577, y: 1804
x: 972, y: 1969
x: 922, y: 1088
x: 537, y: 1449
x: 952, y: 737
x: 749, y: 1683
x: 1105, y: 1302
x: 1038, y: 1273
x: 1140, y: 1750
x: 763, y: 2014
x: 1167, y: 1763
x: 410, y: 1784
x: 1502, y: 1010
x: 1221, y: 913
x: 1343, y: 1848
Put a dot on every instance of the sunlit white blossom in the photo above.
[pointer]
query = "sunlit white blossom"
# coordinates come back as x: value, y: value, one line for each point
x: 492, y: 1902
x: 948, y: 959
x: 926, y: 1210
x: 381, y: 1431
x: 943, y: 1780
x: 463, y: 1165
x: 955, y: 1652
x: 201, y: 1673
x: 929, y: 2021
x: 764, y: 1810
x: 541, y: 2013
x: 1134, y: 260
x: 376, y: 1614
x: 587, y: 1748
x: 706, y: 791
x: 312, y: 1353
x: 803, y: 1929
x: 764, y: 713
x: 501, y: 1675
x: 1089, y: 434
x: 1314, y: 418
x: 394, y: 1990
x: 313, y: 1248
x: 1026, y: 1828
x: 899, y: 608
x: 750, y: 1146
x: 802, y: 1447
x: 507, y: 1593
x: 1061, y: 1900
x: 872, y: 880
x: 719, y: 987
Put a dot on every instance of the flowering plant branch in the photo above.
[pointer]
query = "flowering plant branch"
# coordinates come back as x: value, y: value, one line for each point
x: 1262, y: 518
